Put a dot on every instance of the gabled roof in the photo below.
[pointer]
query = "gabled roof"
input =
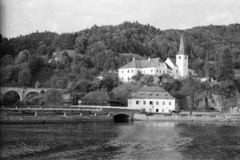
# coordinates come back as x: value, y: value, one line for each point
x: 168, y: 67
x: 143, y: 63
x: 151, y: 93
x: 99, y: 96
x: 132, y: 64
x: 173, y: 61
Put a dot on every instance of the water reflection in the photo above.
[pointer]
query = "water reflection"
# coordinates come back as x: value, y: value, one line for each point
x: 132, y: 140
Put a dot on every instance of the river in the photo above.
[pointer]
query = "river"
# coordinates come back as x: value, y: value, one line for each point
x: 130, y: 140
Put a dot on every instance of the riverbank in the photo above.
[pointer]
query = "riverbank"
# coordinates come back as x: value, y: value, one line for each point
x: 187, y: 117
x: 37, y: 115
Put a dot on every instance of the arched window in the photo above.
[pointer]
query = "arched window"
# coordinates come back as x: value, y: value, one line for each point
x: 179, y: 57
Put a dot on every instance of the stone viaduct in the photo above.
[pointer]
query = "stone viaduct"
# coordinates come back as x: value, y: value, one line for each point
x: 22, y: 92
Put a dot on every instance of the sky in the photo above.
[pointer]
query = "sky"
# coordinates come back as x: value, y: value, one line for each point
x: 21, y: 17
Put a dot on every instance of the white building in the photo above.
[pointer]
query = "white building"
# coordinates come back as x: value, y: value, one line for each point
x: 152, y: 99
x: 175, y: 67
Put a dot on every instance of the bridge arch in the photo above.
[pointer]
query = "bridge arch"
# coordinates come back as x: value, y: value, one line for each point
x: 11, y: 97
x: 122, y: 116
x: 33, y: 93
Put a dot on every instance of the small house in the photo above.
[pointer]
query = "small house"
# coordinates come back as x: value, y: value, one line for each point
x: 99, y: 98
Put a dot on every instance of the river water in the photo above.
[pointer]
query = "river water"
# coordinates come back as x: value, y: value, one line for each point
x: 130, y: 140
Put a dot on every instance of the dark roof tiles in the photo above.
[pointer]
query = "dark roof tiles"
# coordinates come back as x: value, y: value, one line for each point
x: 151, y: 93
x: 147, y: 63
x: 99, y: 96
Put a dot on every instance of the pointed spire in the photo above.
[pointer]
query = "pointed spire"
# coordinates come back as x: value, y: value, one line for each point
x: 181, y: 47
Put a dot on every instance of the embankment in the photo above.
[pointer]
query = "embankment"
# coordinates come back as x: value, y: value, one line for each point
x: 16, y: 116
x: 186, y: 117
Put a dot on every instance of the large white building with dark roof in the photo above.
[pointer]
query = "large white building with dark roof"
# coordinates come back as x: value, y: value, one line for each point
x: 175, y: 67
x: 152, y: 99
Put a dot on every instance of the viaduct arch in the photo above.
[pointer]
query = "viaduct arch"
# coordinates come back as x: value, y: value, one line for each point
x: 22, y: 92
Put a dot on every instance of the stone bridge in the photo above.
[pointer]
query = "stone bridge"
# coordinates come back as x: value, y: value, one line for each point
x: 125, y: 114
x: 22, y: 92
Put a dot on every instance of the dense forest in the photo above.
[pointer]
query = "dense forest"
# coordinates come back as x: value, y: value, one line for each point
x: 72, y: 61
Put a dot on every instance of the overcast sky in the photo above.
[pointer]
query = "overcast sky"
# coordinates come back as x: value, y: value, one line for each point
x: 26, y: 16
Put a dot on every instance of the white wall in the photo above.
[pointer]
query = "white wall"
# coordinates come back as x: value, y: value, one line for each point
x: 175, y: 68
x: 150, y: 71
x: 163, y: 106
x: 126, y: 74
x: 182, y: 63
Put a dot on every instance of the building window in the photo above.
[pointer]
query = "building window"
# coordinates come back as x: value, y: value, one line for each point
x: 150, y: 102
x: 157, y: 103
x: 176, y: 71
x: 141, y: 94
x: 169, y: 103
x: 163, y: 103
x: 159, y: 71
x: 166, y: 95
x: 151, y: 70
x: 179, y: 57
x: 157, y: 94
x: 156, y: 110
x: 132, y: 71
x: 137, y: 102
x: 128, y: 71
x: 122, y: 71
x: 122, y: 77
x: 185, y: 57
x: 144, y: 102
x: 162, y: 110
x: 150, y: 94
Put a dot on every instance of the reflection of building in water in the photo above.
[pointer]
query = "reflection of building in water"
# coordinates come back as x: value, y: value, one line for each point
x: 161, y: 124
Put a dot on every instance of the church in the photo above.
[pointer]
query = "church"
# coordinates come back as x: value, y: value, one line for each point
x: 177, y: 68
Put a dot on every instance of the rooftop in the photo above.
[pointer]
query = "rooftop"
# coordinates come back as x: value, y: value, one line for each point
x: 152, y: 93
x: 181, y: 47
x: 99, y: 96
x: 146, y: 63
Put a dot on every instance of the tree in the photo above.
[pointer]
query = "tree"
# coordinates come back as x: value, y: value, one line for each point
x: 226, y: 66
x: 24, y: 77
x: 37, y: 84
x: 138, y: 76
x: 108, y: 83
x: 22, y: 56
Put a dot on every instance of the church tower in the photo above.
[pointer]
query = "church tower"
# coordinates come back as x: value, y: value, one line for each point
x: 182, y: 60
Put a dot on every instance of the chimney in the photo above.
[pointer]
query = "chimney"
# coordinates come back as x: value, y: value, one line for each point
x: 149, y: 59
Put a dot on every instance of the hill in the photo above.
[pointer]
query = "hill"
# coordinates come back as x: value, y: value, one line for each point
x: 73, y: 61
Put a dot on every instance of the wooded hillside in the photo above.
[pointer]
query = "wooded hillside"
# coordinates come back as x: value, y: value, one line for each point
x: 104, y: 48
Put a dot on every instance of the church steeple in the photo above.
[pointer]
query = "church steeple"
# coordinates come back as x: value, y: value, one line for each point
x: 181, y: 47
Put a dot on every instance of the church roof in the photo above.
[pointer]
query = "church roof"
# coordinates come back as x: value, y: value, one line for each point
x: 173, y: 61
x: 168, y: 67
x: 146, y: 63
x: 181, y: 47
